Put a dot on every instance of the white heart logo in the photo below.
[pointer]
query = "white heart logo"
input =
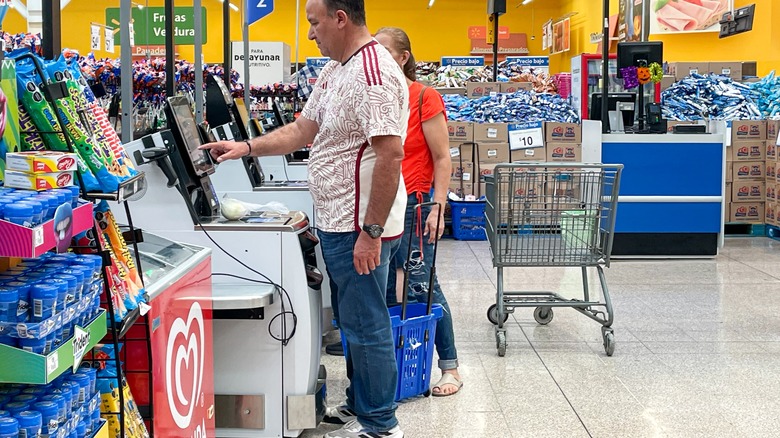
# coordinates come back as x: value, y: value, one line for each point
x: 186, y: 340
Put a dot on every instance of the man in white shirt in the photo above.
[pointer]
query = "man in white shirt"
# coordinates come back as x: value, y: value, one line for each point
x: 356, y: 121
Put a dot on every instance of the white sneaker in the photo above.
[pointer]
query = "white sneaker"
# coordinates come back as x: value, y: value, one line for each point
x: 354, y: 429
x: 339, y: 415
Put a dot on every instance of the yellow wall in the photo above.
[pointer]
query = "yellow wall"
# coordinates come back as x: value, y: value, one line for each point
x: 442, y: 30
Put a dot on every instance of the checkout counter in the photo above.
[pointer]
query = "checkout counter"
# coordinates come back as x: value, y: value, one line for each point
x: 239, y: 347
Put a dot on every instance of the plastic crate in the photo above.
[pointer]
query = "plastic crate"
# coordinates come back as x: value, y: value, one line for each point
x: 468, y: 220
x: 415, y: 357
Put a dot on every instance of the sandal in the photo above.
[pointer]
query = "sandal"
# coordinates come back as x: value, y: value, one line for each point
x: 446, y: 379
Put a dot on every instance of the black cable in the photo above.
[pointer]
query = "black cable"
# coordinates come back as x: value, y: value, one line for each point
x: 284, y: 339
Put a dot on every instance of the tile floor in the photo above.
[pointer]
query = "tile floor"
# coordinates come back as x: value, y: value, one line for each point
x: 698, y: 352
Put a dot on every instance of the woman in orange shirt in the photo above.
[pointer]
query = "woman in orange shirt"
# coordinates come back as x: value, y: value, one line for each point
x: 426, y: 165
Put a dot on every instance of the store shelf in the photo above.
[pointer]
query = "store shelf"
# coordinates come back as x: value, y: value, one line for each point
x: 20, y: 366
x: 127, y: 190
x: 23, y: 242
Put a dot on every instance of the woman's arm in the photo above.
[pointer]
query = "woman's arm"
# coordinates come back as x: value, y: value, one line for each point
x: 435, y: 131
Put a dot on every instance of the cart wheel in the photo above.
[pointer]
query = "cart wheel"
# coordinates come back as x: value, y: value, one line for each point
x: 501, y: 343
x: 609, y: 343
x: 492, y: 315
x: 543, y: 315
x: 427, y: 393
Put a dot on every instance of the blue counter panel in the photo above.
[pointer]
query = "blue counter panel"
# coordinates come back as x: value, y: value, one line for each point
x: 663, y: 217
x: 667, y: 169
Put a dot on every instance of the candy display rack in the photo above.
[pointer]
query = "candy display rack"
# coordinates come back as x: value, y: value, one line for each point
x: 116, y: 328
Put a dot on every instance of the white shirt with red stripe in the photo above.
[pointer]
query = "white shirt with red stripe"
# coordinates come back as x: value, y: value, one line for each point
x: 353, y: 102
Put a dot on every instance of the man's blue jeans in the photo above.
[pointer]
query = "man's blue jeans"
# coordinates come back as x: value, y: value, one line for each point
x: 365, y: 323
x: 419, y: 267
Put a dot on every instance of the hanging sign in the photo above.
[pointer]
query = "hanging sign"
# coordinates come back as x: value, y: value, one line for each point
x: 95, y: 39
x: 151, y: 25
x: 258, y: 9
x: 463, y: 61
x: 538, y: 63
x: 318, y: 62
x: 132, y: 35
x: 109, y: 39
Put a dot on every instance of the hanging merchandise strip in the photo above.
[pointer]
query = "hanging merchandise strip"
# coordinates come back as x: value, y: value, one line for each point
x: 519, y: 107
x: 710, y: 97
x: 22, y: 41
x: 768, y: 90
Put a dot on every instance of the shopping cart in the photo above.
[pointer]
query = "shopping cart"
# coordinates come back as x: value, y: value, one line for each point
x: 550, y: 215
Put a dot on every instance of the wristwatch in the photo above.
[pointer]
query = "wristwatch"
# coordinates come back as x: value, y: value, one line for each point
x: 374, y: 230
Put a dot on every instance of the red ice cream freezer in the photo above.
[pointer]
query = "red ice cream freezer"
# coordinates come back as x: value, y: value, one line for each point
x: 175, y: 390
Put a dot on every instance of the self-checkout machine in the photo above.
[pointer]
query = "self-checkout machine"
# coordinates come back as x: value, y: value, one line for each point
x: 268, y: 379
x: 264, y: 179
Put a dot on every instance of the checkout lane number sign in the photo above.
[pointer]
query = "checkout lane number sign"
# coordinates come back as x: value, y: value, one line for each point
x: 526, y: 136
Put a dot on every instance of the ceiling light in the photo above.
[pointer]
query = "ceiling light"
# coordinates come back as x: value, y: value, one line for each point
x: 525, y: 2
x: 430, y: 3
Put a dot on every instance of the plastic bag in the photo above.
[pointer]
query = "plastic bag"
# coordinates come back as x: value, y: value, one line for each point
x: 233, y: 209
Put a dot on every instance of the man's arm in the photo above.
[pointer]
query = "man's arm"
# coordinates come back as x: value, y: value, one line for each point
x: 282, y: 141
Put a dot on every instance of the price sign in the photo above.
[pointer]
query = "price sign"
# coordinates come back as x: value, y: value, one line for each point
x: 526, y: 135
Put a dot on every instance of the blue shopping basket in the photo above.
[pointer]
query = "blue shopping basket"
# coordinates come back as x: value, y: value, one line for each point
x: 414, y: 334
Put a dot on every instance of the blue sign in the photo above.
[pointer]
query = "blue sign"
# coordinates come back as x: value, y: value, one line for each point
x: 463, y: 61
x: 258, y: 9
x: 318, y: 62
x: 530, y: 61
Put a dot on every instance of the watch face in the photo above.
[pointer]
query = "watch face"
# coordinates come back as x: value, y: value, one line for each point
x: 374, y: 230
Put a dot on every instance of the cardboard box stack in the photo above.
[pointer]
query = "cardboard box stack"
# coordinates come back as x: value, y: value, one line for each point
x: 492, y: 141
x: 748, y: 169
x: 461, y: 136
x: 772, y: 181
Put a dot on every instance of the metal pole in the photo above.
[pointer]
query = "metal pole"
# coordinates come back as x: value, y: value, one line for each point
x: 126, y: 58
x: 495, y: 47
x: 51, y: 40
x: 170, y: 51
x: 297, y: 38
x: 198, y: 16
x: 226, y: 39
x: 245, y: 30
x: 605, y: 71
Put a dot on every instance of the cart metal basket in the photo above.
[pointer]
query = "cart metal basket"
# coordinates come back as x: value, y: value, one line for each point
x: 550, y: 215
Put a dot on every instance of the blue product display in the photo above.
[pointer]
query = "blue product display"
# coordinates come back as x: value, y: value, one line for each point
x: 3, y: 400
x: 74, y: 192
x: 19, y: 214
x: 92, y: 374
x: 25, y: 398
x: 37, y: 346
x: 81, y: 429
x: 37, y: 216
x: 30, y: 423
x: 710, y: 97
x: 78, y: 275
x: 49, y: 418
x: 37, y: 391
x: 9, y: 304
x: 63, y: 409
x: 23, y: 307
x: 8, y: 340
x: 4, y: 414
x: 10, y: 392
x: 44, y: 300
x: 83, y: 381
x: 15, y: 407
x: 9, y: 427
x: 519, y: 107
x: 65, y: 392
x: 73, y: 390
x: 72, y: 282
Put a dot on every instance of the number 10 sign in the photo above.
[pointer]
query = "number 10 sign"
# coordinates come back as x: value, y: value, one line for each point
x: 526, y: 135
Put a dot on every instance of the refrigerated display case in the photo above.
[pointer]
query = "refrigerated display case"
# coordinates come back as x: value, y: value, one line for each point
x: 175, y: 389
x: 586, y: 79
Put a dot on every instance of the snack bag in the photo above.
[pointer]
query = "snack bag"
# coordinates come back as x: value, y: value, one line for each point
x: 87, y: 240
x: 126, y: 265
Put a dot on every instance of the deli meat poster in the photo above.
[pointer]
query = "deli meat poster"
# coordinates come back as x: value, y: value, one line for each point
x: 681, y: 16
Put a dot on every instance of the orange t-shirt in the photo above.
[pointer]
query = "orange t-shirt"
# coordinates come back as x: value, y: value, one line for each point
x: 417, y: 166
